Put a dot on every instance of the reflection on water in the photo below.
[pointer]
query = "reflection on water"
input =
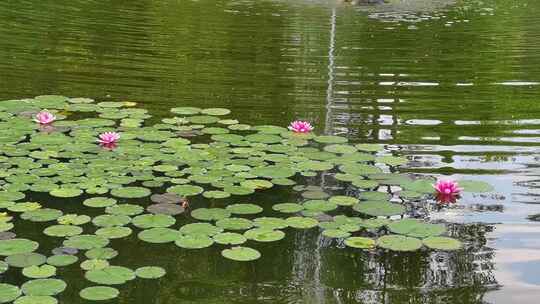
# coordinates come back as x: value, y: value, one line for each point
x: 451, y: 84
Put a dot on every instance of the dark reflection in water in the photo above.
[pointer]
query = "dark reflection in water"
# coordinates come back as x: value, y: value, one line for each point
x: 454, y: 88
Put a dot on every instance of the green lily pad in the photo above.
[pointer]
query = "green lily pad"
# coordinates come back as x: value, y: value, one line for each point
x: 62, y: 260
x: 8, y: 293
x: 335, y: 233
x: 73, y: 219
x: 101, y: 253
x: 330, y: 139
x: 241, y: 254
x: 369, y: 147
x: 99, y: 293
x: 43, y: 287
x: 150, y: 272
x: 340, y: 149
x: 94, y: 264
x: 147, y: 221
x: 99, y: 202
x: 194, y: 241
x: 200, y: 228
x: 319, y: 205
x: 131, y: 192
x: 360, y: 242
x: 186, y: 110
x: 288, y: 207
x: 392, y: 160
x: 112, y: 275
x: 264, y: 235
x: 62, y: 230
x: 23, y: 260
x: 159, y: 235
x: 41, y: 215
x: 442, y: 243
x: 416, y: 228
x: 66, y: 192
x: 379, y: 208
x: 216, y: 111
x: 39, y: 272
x: 234, y: 223
x: 244, y: 209
x: 185, y: 190
x: 36, y: 300
x: 210, y: 214
x: 17, y: 246
x: 86, y: 242
x: 399, y: 243
x: 229, y: 238
x: 115, y: 232
x: 301, y: 222
x: 342, y: 200
x: 110, y: 220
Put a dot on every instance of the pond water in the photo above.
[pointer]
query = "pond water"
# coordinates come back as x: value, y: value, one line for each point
x: 452, y: 85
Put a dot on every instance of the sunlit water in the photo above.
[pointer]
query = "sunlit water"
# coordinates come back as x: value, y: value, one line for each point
x: 454, y: 85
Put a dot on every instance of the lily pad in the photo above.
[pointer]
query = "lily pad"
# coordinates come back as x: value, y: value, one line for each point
x: 342, y: 200
x: 61, y: 260
x: 86, y: 242
x: 39, y: 272
x: 416, y: 228
x: 194, y: 241
x: 130, y: 192
x: 36, y: 300
x: 234, y: 223
x: 147, y: 221
x: 264, y: 235
x: 210, y: 214
x: 288, y: 207
x: 442, y: 243
x: 159, y: 235
x: 229, y: 238
x: 379, y: 208
x: 17, y: 246
x: 301, y: 222
x: 360, y: 242
x: 8, y: 292
x: 242, y: 254
x: 185, y: 190
x: 43, y: 287
x: 244, y: 209
x: 475, y: 186
x: 99, y: 202
x: 112, y: 275
x: 23, y: 260
x: 200, y: 228
x: 399, y: 243
x: 99, y: 293
x: 150, y: 272
x: 115, y: 232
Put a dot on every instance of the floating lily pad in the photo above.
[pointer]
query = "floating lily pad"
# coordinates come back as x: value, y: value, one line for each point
x: 8, y: 292
x: 36, y: 300
x: 43, y: 287
x: 41, y: 215
x: 62, y: 260
x: 330, y: 139
x: 101, y: 253
x: 115, y: 232
x: 99, y: 293
x: 399, y: 243
x: 244, y: 209
x: 110, y: 220
x: 360, y: 242
x: 125, y: 209
x: 216, y: 194
x: 150, y: 272
x: 86, y: 242
x: 342, y: 200
x: 270, y: 223
x: 170, y: 209
x: 288, y: 207
x: 301, y: 222
x: 442, y: 243
x: 94, y: 264
x: 216, y: 111
x: 264, y: 235
x: 201, y: 228
x: 130, y: 192
x: 210, y: 214
x: 99, y: 202
x: 39, y: 272
x: 379, y: 208
x: 63, y: 230
x: 112, y: 275
x: 17, y: 246
x: 147, y: 221
x: 242, y: 254
x: 335, y: 233
x: 73, y: 219
x: 66, y: 192
x: 319, y: 205
x: 159, y: 235
x: 185, y: 190
x: 392, y: 160
x: 23, y: 260
x: 229, y: 238
x: 194, y: 241
x: 416, y: 228
x: 341, y: 149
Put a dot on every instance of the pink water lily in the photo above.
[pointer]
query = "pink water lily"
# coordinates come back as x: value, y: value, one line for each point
x: 300, y: 126
x: 447, y: 187
x: 108, y: 139
x: 44, y: 117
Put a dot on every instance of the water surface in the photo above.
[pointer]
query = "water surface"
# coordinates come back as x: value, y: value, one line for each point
x: 454, y: 85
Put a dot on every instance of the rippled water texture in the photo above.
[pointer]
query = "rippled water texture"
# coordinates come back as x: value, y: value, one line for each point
x: 454, y: 85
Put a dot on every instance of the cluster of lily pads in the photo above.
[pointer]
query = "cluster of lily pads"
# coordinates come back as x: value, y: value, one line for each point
x: 147, y: 181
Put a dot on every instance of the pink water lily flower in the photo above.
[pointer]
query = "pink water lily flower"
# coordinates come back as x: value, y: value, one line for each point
x: 299, y: 126
x: 108, y: 138
x: 447, y: 187
x: 44, y: 117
